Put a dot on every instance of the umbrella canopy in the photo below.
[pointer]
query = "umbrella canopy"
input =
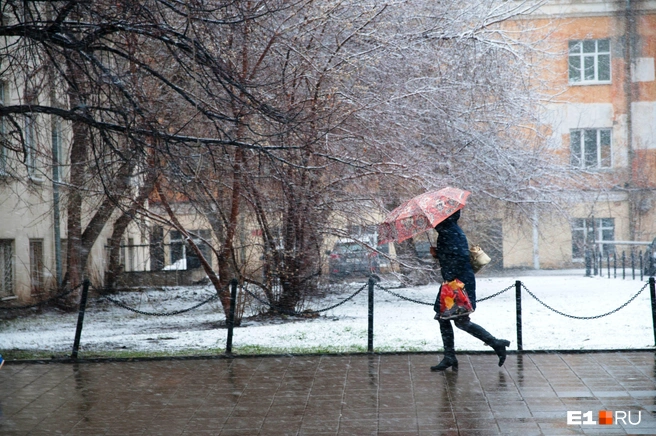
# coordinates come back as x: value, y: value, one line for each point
x: 421, y: 213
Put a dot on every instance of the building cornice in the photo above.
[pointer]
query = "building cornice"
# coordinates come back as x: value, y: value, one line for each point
x: 551, y: 9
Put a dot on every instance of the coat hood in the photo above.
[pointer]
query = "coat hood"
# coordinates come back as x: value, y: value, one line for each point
x: 449, y: 221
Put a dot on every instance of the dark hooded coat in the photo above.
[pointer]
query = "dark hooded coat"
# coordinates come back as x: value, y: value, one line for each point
x: 453, y: 255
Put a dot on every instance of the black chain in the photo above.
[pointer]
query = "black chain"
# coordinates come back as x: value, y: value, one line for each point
x: 141, y: 312
x: 431, y: 304
x: 478, y: 300
x: 41, y: 303
x: 307, y: 312
x: 586, y: 317
x: 402, y: 297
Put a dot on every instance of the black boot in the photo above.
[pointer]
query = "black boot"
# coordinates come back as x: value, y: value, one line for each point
x: 449, y: 361
x: 499, y: 347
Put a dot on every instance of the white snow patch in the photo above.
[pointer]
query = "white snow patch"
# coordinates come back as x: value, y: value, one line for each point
x: 398, y: 325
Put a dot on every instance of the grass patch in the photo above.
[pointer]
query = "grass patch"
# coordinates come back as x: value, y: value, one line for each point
x: 10, y: 355
x: 246, y: 350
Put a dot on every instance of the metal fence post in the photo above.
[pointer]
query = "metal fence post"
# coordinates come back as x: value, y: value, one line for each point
x: 623, y: 265
x: 652, y: 293
x: 588, y: 263
x: 518, y: 311
x: 608, y: 262
x: 231, y: 316
x: 80, y: 318
x: 370, y: 330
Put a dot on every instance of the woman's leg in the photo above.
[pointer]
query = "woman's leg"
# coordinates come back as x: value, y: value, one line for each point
x: 499, y: 345
x: 446, y: 329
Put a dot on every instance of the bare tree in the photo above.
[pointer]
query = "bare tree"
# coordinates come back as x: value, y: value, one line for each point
x: 127, y: 71
x: 295, y: 117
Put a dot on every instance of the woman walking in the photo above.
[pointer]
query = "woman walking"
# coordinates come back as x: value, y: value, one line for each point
x: 452, y: 252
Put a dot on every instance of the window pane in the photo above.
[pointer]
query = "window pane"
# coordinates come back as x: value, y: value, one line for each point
x: 6, y: 268
x: 578, y: 243
x: 575, y: 68
x: 603, y: 45
x: 575, y: 46
x: 36, y: 265
x: 589, y: 230
x: 608, y: 234
x: 590, y: 46
x: 603, y: 65
x: 177, y: 251
x: 604, y: 148
x: 575, y: 148
x: 590, y: 148
x: 608, y: 223
x: 589, y: 67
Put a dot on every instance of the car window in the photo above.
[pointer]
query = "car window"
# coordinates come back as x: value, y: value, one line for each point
x: 348, y: 248
x: 423, y: 248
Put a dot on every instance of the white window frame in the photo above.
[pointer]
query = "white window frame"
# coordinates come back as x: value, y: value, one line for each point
x: 590, y: 60
x: 598, y: 231
x: 578, y: 147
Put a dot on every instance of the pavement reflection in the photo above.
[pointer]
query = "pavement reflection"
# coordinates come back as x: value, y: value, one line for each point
x: 337, y: 395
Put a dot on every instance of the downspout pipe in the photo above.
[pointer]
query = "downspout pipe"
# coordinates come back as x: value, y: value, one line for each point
x: 629, y: 47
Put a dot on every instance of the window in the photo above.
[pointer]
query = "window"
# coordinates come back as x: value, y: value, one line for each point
x: 589, y: 61
x: 180, y: 250
x: 6, y: 267
x: 590, y: 148
x: 587, y: 232
x: 130, y: 262
x: 36, y: 266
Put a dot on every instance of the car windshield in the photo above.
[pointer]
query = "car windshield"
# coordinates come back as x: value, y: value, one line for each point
x: 348, y: 248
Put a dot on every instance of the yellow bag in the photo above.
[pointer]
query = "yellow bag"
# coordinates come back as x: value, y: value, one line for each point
x: 478, y: 258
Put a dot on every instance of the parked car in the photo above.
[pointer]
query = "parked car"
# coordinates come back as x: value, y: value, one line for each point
x: 348, y: 258
x: 423, y: 250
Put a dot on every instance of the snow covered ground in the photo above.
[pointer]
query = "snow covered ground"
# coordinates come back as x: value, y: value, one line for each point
x: 399, y: 325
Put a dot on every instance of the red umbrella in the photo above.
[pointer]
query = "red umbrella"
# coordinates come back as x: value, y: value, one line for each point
x: 420, y: 214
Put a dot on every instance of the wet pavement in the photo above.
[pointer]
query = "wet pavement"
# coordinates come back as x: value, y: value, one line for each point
x: 334, y: 395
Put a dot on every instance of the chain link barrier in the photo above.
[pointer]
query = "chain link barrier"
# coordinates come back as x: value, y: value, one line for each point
x: 214, y: 297
x: 402, y: 297
x: 478, y: 300
x: 585, y: 317
x: 141, y: 312
x: 177, y: 312
x: 307, y: 312
x: 431, y: 304
x: 41, y: 303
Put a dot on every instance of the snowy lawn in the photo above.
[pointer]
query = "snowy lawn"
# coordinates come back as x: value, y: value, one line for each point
x: 399, y: 325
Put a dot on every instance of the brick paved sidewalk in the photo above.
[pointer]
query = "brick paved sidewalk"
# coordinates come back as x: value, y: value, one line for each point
x: 332, y: 395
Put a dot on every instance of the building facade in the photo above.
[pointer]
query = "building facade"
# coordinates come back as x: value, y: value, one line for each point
x: 601, y: 120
